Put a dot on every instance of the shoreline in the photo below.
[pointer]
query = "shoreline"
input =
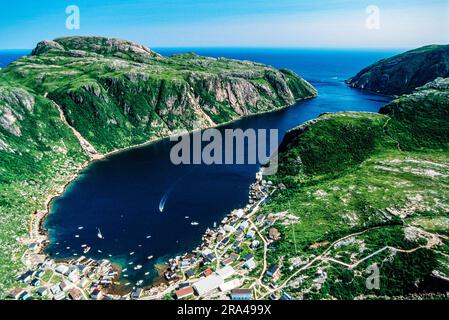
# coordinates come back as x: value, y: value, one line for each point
x: 37, y: 231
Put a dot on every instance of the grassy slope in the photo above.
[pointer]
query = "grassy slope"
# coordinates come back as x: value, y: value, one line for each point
x: 345, y: 173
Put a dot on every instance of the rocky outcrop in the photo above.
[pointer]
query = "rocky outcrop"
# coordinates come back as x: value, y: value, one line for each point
x: 14, y: 102
x: 404, y: 73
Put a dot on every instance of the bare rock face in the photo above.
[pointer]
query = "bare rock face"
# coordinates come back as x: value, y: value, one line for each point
x: 99, y: 45
x: 14, y: 103
x: 47, y: 46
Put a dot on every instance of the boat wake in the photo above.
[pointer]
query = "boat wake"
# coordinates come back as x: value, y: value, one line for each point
x: 163, y: 201
x: 169, y: 191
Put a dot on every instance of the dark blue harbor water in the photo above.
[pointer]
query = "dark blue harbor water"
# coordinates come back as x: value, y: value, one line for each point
x: 121, y: 195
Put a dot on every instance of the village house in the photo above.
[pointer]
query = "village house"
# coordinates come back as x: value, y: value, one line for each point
x: 234, y: 256
x: 136, y: 293
x: 42, y: 291
x: 251, y: 233
x: 260, y: 219
x: 96, y: 294
x: 75, y: 294
x: 227, y: 261
x: 62, y: 269
x: 59, y: 296
x: 17, y: 294
x: 255, y: 244
x: 241, y: 294
x: 249, y: 256
x: 244, y: 225
x: 230, y: 285
x: 208, y: 272
x: 189, y: 273
x: 184, y: 292
x: 274, y: 234
x: 274, y: 272
x: 207, y: 284
x: 250, y: 264
x: 239, y: 213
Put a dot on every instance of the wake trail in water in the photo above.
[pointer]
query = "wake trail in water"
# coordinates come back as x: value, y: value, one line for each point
x: 170, y: 190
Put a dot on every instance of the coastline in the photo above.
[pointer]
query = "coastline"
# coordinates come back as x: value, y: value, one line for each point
x: 37, y: 231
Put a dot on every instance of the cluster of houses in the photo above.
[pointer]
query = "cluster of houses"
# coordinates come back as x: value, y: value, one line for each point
x: 84, y: 278
x: 77, y: 279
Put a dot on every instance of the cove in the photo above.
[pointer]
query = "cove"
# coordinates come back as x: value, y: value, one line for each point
x: 123, y: 194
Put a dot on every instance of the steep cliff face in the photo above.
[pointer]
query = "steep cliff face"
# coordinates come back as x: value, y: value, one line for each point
x: 117, y: 93
x: 403, y: 73
x: 75, y: 98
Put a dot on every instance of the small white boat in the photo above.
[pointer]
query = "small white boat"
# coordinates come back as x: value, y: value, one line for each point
x: 138, y: 283
x: 187, y: 217
x: 138, y: 267
x: 128, y: 283
x: 147, y: 273
x: 131, y: 263
x: 77, y: 236
x: 131, y: 253
x: 80, y: 228
x: 99, y: 234
x: 125, y: 276
x: 83, y: 245
x: 68, y: 248
x: 124, y: 270
x: 150, y: 257
x: 148, y: 237
x: 86, y: 249
x: 99, y: 251
x: 194, y: 223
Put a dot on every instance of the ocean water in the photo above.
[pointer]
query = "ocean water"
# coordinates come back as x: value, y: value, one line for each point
x: 121, y: 195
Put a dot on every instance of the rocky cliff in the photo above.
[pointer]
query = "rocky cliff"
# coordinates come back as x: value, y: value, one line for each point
x: 403, y: 73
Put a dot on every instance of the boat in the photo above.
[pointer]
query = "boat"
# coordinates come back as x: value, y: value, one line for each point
x: 138, y: 267
x: 148, y: 237
x: 187, y: 217
x: 124, y: 270
x: 147, y: 273
x: 138, y: 283
x: 83, y: 245
x: 77, y: 236
x: 99, y: 251
x: 131, y: 253
x: 131, y: 263
x: 86, y: 249
x: 194, y: 223
x: 80, y: 228
x: 99, y: 235
x: 150, y: 257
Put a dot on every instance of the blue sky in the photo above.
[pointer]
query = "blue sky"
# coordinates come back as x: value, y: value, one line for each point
x: 234, y: 23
